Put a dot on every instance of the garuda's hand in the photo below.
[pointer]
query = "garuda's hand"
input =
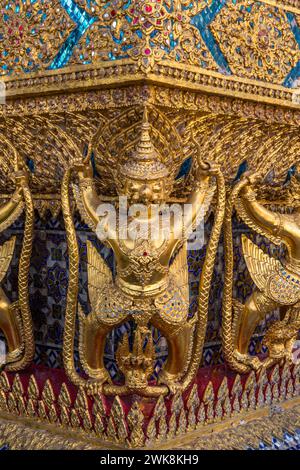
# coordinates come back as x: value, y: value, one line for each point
x: 252, y: 178
x: 248, y: 183
x: 83, y: 169
x: 207, y: 168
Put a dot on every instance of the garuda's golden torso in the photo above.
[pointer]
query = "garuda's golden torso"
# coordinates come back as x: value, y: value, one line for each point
x: 146, y: 282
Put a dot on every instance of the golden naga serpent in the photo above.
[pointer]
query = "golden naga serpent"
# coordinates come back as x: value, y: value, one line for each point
x: 203, y: 302
x: 205, y: 281
x: 23, y: 275
x: 227, y: 339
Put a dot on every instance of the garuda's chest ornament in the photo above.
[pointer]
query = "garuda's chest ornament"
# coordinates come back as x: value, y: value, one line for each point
x: 277, y: 283
x: 150, y: 283
x: 143, y: 259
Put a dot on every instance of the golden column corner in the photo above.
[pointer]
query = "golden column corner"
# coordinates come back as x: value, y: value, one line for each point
x: 149, y: 224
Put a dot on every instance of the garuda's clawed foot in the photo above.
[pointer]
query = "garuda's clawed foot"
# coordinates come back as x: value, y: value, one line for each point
x: 94, y: 386
x: 14, y: 356
x: 250, y: 361
x: 170, y: 380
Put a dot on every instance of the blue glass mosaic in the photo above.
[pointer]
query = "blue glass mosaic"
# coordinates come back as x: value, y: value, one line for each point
x: 289, y: 442
x: 85, y: 15
x: 294, y: 74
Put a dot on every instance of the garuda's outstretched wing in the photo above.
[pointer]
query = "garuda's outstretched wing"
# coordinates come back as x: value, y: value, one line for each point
x: 260, y: 265
x: 6, y: 223
x: 243, y: 214
x: 6, y: 254
x: 179, y: 271
x: 99, y: 274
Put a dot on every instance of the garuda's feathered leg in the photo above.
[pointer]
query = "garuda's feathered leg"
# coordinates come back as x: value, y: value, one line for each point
x: 104, y: 317
x: 180, y: 342
x: 257, y: 306
x: 93, y: 335
x: 10, y: 323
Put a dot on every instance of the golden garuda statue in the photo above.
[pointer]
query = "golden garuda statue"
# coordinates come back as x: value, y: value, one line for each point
x: 15, y: 318
x: 277, y: 282
x: 150, y: 285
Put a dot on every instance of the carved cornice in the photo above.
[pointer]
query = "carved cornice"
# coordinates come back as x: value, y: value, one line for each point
x: 170, y: 97
x: 124, y: 73
x: 52, y: 131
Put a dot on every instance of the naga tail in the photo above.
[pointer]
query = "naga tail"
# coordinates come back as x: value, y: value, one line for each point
x: 72, y: 295
x: 205, y: 282
x: 230, y: 324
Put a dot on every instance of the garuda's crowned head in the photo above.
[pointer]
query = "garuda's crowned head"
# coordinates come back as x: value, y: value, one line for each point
x: 144, y: 178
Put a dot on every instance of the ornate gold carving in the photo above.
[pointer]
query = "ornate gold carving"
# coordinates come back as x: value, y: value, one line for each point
x: 277, y: 283
x: 81, y: 403
x: 54, y: 129
x: 135, y: 421
x: 31, y: 34
x: 193, y: 403
x: 149, y: 49
x: 145, y: 282
x: 19, y: 436
x: 113, y: 427
x: 42, y: 413
x: 257, y: 45
x: 222, y: 133
x: 33, y: 389
x: 137, y: 366
x: 64, y: 399
x: 48, y: 396
x: 175, y: 49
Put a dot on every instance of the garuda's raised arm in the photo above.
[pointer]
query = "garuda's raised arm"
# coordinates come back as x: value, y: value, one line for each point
x: 256, y: 215
x: 12, y: 209
x: 89, y: 202
x: 201, y: 197
x: 200, y: 200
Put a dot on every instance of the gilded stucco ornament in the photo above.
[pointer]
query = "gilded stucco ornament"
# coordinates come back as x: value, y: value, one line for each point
x: 220, y: 71
x: 15, y: 318
x: 31, y: 34
x: 277, y: 281
x: 148, y: 287
x: 146, y: 32
x: 261, y: 43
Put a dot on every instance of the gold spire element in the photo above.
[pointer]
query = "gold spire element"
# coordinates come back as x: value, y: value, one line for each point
x: 145, y: 162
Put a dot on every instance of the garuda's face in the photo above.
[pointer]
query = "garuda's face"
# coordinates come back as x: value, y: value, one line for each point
x: 145, y: 192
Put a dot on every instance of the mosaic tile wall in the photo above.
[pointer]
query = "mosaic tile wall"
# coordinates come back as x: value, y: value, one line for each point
x: 290, y: 441
x: 49, y: 279
x: 229, y: 36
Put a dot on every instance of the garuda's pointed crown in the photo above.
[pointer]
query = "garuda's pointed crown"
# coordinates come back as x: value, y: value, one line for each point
x: 145, y: 162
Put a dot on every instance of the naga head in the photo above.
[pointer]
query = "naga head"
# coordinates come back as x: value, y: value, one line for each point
x: 146, y: 180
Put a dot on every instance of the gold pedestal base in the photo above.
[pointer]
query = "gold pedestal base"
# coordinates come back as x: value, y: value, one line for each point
x: 246, y: 429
